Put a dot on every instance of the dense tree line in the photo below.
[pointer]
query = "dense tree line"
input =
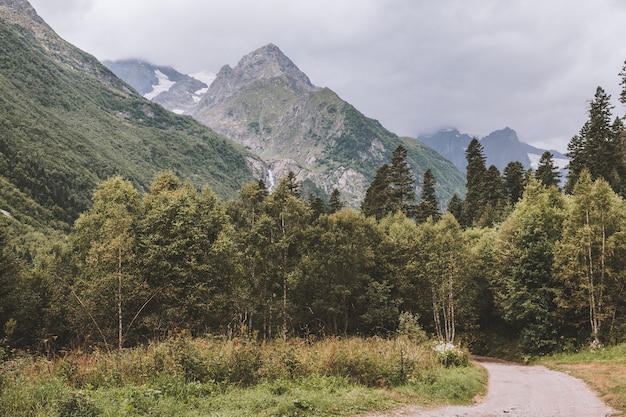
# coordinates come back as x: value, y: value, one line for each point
x: 518, y: 257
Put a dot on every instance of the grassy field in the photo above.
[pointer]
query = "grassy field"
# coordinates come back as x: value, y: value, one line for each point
x: 213, y: 377
x: 604, y: 370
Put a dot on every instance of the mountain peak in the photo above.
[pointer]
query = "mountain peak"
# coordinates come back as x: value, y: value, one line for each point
x: 269, y: 62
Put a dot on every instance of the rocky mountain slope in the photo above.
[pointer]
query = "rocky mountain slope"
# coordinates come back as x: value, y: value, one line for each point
x: 271, y: 107
x: 67, y: 122
x: 500, y: 148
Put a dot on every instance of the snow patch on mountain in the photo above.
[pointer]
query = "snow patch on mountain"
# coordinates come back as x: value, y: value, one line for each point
x: 205, y: 77
x: 164, y: 85
x: 534, y: 160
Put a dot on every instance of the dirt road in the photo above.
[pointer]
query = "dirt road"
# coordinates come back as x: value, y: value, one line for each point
x: 529, y: 391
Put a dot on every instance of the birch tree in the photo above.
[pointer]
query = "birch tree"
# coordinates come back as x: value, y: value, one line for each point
x: 103, y: 240
x: 440, y: 260
x: 596, y: 216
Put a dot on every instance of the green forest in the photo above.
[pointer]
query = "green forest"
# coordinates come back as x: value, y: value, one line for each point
x: 521, y: 261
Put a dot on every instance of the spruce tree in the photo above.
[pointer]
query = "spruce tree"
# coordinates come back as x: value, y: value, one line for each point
x: 402, y: 183
x: 334, y: 202
x: 598, y: 147
x: 514, y: 181
x: 476, y: 171
x: 317, y: 206
x: 455, y: 207
x: 547, y: 173
x: 429, y: 206
x: 378, y: 195
x: 493, y: 197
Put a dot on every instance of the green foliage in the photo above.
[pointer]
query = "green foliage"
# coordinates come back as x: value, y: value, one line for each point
x: 599, y: 146
x: 547, y: 173
x: 525, y: 287
x: 589, y: 255
x: 451, y: 356
x: 513, y: 177
x: 429, y: 206
x: 408, y: 325
x: 474, y: 203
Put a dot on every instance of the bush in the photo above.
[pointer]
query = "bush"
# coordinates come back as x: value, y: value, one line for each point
x: 449, y: 355
x: 409, y: 326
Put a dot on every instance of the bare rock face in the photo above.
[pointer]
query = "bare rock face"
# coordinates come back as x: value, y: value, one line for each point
x: 21, y: 6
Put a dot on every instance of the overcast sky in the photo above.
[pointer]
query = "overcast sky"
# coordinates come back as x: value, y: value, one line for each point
x: 415, y: 65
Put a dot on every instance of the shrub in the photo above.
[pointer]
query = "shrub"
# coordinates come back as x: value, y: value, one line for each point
x: 449, y: 355
x: 408, y: 325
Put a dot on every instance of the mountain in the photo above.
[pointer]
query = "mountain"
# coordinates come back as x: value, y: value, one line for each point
x: 173, y: 90
x: 67, y: 122
x: 271, y: 107
x: 500, y: 147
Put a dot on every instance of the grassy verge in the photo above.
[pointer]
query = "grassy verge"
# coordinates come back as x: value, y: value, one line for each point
x: 203, y: 377
x: 604, y: 370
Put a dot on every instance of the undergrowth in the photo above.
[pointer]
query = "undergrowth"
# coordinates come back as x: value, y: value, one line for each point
x: 211, y: 376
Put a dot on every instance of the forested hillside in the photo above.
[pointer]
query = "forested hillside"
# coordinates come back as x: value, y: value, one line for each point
x: 68, y: 123
x: 518, y: 262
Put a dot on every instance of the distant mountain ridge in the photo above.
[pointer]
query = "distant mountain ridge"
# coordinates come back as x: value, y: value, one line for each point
x: 500, y: 148
x: 271, y: 107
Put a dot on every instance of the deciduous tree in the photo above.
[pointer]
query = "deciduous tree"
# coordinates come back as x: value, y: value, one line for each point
x: 595, y: 219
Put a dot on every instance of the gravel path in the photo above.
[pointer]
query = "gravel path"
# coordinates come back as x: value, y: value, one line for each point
x: 529, y: 391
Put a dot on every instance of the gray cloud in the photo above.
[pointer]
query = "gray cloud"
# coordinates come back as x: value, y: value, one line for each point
x: 415, y: 65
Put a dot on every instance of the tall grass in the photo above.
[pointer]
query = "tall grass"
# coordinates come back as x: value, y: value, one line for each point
x: 211, y: 376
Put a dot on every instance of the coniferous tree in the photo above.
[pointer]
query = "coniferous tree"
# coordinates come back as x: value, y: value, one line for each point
x: 514, y: 181
x: 598, y: 147
x: 402, y: 183
x: 474, y: 203
x: 455, y: 207
x: 377, y: 201
x: 547, y: 173
x: 429, y: 206
x: 334, y: 202
x: 494, y: 198
x: 317, y: 206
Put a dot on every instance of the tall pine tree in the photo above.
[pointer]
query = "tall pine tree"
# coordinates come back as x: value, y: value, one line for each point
x: 378, y: 195
x: 402, y: 183
x: 514, y: 181
x: 547, y: 173
x: 598, y: 147
x: 429, y: 206
x: 473, y: 205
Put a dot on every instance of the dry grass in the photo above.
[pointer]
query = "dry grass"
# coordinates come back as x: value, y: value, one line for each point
x: 604, y: 371
x: 194, y: 377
